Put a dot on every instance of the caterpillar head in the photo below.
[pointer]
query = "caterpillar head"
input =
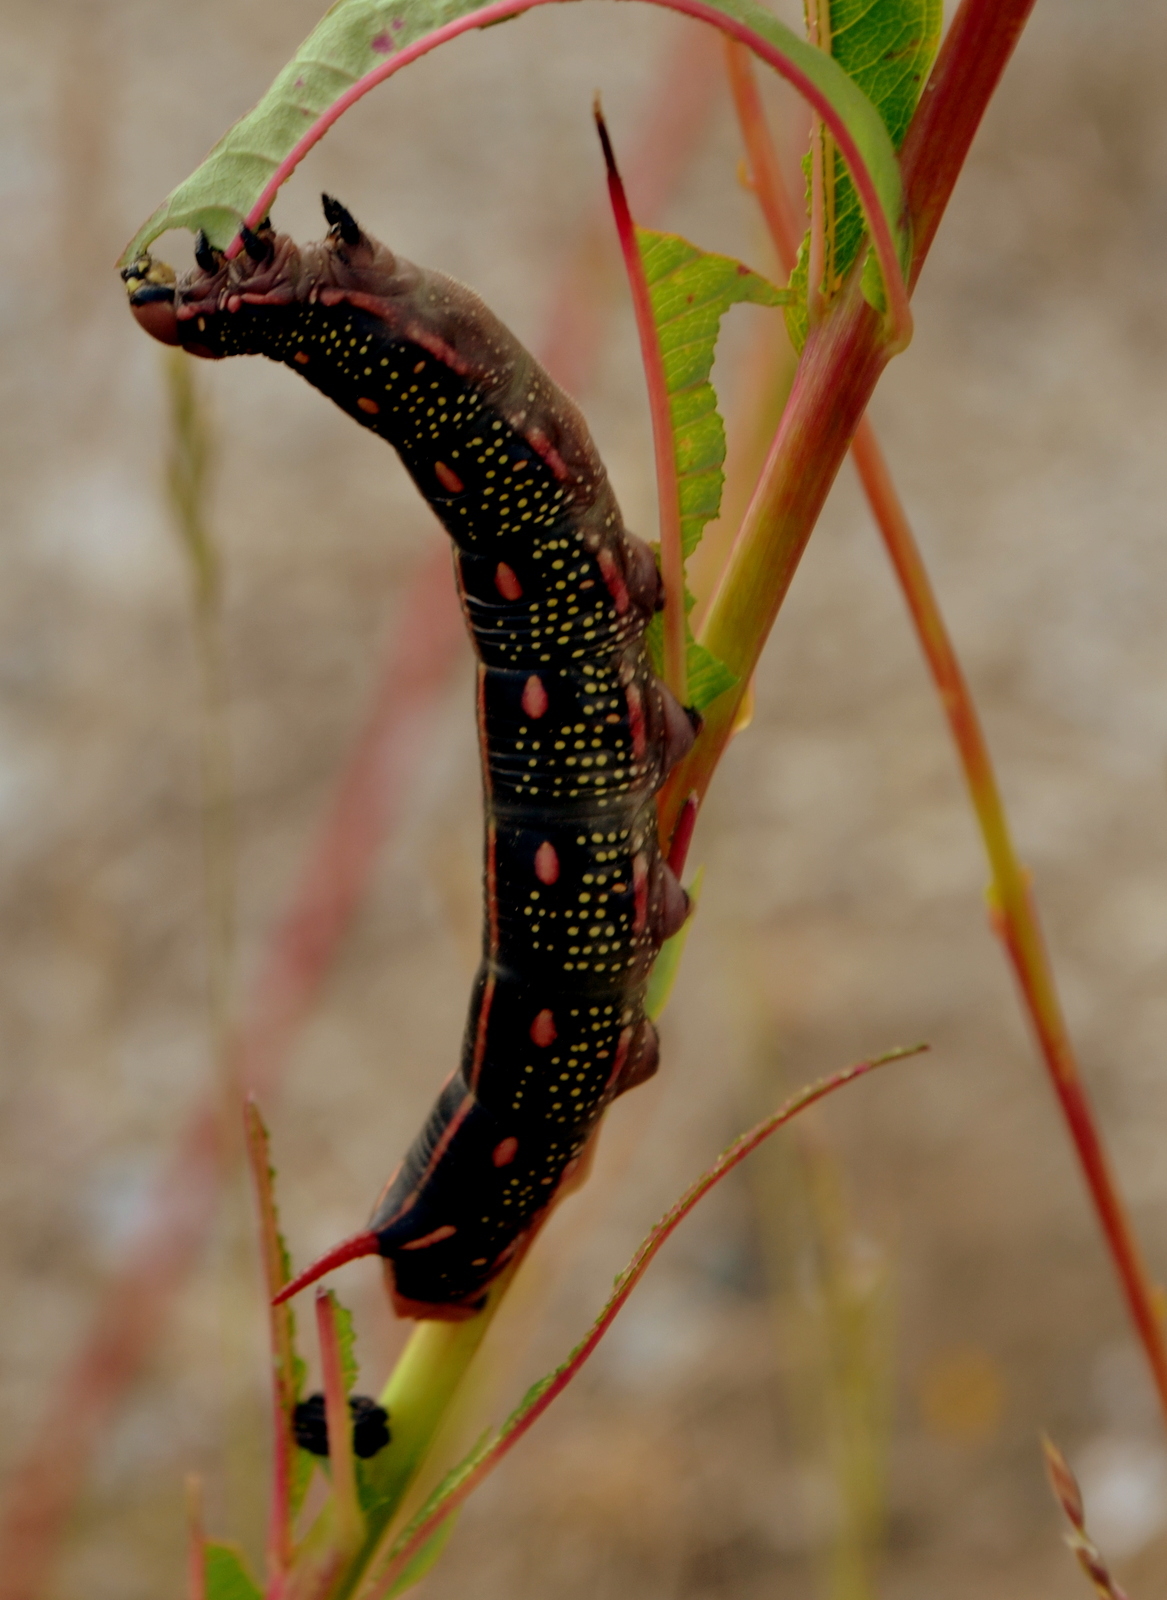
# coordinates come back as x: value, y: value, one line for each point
x: 150, y: 286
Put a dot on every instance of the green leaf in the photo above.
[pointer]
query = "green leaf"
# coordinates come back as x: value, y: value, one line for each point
x: 227, y: 1574
x: 346, y: 1336
x: 356, y: 38
x: 425, y: 1557
x: 886, y: 48
x: 690, y: 291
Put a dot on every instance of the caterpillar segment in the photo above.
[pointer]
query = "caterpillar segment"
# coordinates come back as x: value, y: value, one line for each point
x: 576, y: 733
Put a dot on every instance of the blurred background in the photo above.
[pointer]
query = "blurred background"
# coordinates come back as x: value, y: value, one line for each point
x: 833, y: 1381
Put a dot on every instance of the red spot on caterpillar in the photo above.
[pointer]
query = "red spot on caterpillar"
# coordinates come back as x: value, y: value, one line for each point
x: 636, y: 720
x: 368, y: 405
x: 301, y: 357
x: 613, y: 579
x: 446, y: 1231
x: 534, y: 697
x: 505, y: 1152
x: 419, y: 367
x: 640, y: 891
x: 546, y: 863
x: 543, y: 447
x: 448, y: 479
x: 507, y: 583
x: 543, y: 1030
x: 382, y: 44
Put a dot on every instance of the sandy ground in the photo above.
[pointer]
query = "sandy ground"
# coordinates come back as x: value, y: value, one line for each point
x: 843, y: 910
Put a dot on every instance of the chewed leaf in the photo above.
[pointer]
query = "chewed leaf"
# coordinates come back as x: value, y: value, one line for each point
x: 690, y: 291
x: 886, y: 48
x: 227, y: 1574
x: 359, y: 43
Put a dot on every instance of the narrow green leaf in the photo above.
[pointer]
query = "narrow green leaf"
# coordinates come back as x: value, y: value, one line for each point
x: 886, y: 48
x: 691, y: 290
x: 425, y: 1557
x: 227, y: 1574
x: 346, y: 1336
x: 357, y: 41
x: 290, y: 1368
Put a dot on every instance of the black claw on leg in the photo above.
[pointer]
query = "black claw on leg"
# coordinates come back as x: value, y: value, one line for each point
x: 205, y: 254
x: 342, y: 222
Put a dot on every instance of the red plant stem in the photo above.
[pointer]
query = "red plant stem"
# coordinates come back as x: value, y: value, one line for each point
x: 196, y: 1546
x: 1015, y: 912
x: 526, y: 1418
x: 1016, y: 916
x: 899, y: 312
x: 766, y: 178
x: 668, y: 135
x: 668, y: 492
x: 841, y: 364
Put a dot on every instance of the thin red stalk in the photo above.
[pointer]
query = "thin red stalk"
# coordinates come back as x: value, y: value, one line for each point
x: 669, y: 132
x: 672, y: 562
x: 45, y: 1483
x: 883, y: 242
x: 525, y: 1419
x: 1018, y: 919
x: 974, y: 53
x: 1016, y: 913
x: 196, y: 1544
x: 766, y: 178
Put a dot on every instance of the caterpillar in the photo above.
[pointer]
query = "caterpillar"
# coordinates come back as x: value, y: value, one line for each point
x: 576, y: 733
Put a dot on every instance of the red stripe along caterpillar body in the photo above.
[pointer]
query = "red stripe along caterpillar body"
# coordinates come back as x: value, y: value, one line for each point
x: 576, y: 734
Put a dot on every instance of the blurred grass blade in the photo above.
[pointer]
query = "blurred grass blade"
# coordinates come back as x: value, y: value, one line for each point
x: 1069, y: 1497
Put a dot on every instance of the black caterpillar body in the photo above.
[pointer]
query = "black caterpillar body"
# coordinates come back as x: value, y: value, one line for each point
x: 576, y: 733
